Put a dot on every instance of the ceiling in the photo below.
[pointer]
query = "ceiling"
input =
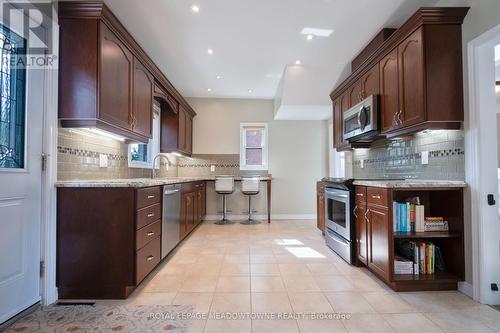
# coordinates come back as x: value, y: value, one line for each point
x: 256, y: 43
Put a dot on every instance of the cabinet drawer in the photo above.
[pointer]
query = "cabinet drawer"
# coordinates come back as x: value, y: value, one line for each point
x: 360, y: 193
x: 147, y: 258
x: 148, y: 215
x: 148, y: 196
x: 147, y: 234
x: 376, y: 196
x: 192, y: 186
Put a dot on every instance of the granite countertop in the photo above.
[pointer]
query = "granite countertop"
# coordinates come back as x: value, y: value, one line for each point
x: 138, y: 182
x: 410, y: 183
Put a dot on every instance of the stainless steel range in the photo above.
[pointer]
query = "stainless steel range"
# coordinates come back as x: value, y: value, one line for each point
x: 339, y: 226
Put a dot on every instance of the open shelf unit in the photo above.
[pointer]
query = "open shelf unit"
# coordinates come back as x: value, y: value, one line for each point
x: 446, y: 203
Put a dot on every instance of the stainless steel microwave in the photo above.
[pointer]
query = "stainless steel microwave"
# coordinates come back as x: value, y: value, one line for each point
x: 362, y: 120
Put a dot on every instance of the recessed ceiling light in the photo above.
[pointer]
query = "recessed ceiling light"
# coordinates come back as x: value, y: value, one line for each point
x: 250, y: 90
x: 210, y: 51
x: 209, y: 89
x: 218, y: 77
x: 310, y: 37
x: 297, y: 62
x: 195, y: 8
x: 317, y: 32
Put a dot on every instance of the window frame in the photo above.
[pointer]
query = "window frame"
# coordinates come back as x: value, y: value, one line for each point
x: 153, y: 148
x: 265, y: 147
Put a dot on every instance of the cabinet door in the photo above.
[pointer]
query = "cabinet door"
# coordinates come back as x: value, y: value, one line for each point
x: 361, y: 233
x: 378, y: 241
x: 370, y: 82
x: 190, y: 208
x: 189, y: 134
x: 199, y: 206
x: 411, y: 79
x: 181, y: 135
x: 354, y: 93
x: 320, y: 203
x: 142, y: 100
x: 337, y: 123
x: 389, y: 91
x: 184, y: 214
x: 115, y: 80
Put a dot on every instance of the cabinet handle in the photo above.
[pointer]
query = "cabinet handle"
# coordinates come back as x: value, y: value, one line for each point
x: 376, y: 196
x: 151, y: 214
x: 151, y: 196
x: 150, y: 258
x: 150, y: 233
x: 354, y: 211
x: 359, y: 194
x: 366, y: 216
x: 399, y: 118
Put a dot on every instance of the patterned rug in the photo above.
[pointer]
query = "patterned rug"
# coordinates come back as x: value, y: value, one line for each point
x: 103, y: 318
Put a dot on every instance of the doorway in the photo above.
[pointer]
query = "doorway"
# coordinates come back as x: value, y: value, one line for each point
x: 483, y: 164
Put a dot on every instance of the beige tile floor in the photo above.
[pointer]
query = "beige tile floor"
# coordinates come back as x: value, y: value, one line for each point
x: 286, y: 267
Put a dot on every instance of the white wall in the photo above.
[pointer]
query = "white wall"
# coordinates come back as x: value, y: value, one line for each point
x: 298, y: 154
x: 483, y: 16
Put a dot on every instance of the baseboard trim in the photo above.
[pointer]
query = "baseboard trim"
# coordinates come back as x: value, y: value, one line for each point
x: 465, y: 288
x: 264, y: 217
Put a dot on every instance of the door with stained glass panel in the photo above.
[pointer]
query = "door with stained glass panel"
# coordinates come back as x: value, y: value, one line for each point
x: 21, y: 119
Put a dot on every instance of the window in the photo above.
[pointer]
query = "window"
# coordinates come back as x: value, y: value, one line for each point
x: 253, y: 146
x: 141, y: 155
x: 12, y: 103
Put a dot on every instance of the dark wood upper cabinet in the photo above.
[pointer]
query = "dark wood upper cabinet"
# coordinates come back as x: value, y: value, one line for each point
x: 389, y: 91
x: 355, y: 94
x: 189, y: 134
x: 370, y: 84
x: 411, y: 80
x: 419, y: 69
x: 182, y: 130
x: 106, y: 80
x: 337, y: 122
x: 177, y: 131
x: 142, y: 116
x: 115, y: 80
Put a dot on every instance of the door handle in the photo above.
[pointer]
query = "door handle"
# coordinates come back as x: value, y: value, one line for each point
x: 491, y: 200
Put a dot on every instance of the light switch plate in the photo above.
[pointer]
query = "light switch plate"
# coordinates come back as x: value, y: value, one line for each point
x: 425, y: 157
x: 103, y: 160
x: 212, y: 168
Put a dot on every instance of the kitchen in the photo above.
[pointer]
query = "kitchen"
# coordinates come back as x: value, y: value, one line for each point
x: 230, y: 194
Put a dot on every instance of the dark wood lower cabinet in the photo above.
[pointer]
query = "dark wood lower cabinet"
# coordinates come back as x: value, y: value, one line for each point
x: 320, y: 206
x: 361, y: 234
x: 109, y: 239
x: 376, y: 241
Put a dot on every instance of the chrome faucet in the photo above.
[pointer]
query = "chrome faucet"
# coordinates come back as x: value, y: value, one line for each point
x: 154, y: 163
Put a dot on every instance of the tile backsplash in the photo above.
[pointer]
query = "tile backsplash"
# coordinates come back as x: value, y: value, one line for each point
x: 401, y: 158
x: 78, y: 158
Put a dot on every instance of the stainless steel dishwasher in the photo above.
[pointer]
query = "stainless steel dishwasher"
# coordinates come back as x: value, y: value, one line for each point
x: 170, y: 227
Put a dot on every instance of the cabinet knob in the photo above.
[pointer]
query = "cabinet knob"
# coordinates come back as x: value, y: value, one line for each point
x: 376, y: 196
x: 151, y: 214
x: 150, y: 233
x: 150, y: 258
x: 151, y: 196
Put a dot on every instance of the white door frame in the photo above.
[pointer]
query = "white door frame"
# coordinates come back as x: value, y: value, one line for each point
x: 481, y: 100
x: 48, y: 233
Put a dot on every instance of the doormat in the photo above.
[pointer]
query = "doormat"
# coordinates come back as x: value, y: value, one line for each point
x: 105, y: 318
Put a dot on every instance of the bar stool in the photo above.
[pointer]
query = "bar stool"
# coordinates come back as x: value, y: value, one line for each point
x: 224, y: 185
x: 250, y: 186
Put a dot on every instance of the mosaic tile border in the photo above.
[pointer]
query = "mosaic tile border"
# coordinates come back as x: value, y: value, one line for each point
x: 434, y: 153
x: 89, y: 153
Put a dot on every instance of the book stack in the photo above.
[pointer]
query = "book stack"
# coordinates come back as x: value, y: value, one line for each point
x: 403, y: 266
x: 418, y: 258
x: 435, y: 224
x: 408, y: 217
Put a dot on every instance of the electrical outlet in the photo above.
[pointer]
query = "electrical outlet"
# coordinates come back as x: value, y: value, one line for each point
x: 103, y: 160
x: 212, y: 168
x: 425, y: 157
